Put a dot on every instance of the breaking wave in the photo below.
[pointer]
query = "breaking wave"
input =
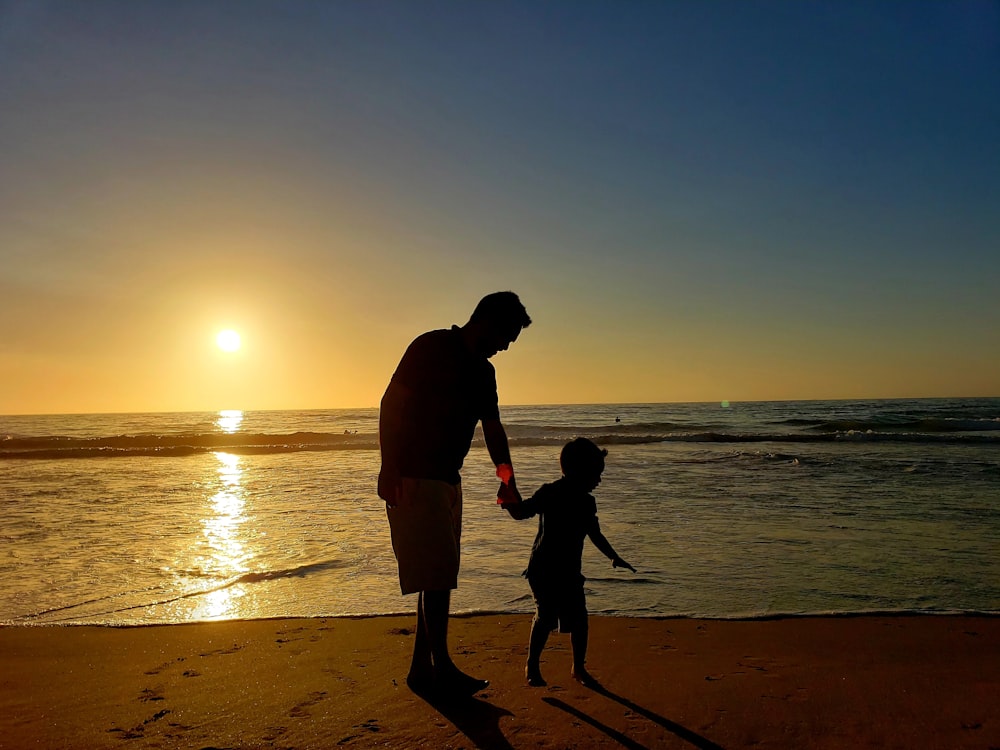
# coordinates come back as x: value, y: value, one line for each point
x: 119, y: 446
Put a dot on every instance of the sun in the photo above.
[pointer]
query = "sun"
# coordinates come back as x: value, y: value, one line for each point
x: 228, y: 340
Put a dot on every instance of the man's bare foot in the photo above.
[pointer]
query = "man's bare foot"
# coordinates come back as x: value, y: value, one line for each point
x: 534, y: 676
x: 420, y: 680
x: 454, y: 682
x: 584, y: 677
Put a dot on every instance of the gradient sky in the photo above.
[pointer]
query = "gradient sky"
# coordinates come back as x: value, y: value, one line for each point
x: 696, y: 201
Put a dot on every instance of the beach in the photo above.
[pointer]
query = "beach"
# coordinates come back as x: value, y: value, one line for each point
x: 914, y: 681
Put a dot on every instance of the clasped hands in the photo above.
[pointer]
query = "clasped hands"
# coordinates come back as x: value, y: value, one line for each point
x: 507, y: 495
x: 389, y: 490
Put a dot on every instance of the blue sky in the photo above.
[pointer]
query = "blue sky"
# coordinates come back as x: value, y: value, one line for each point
x: 696, y: 201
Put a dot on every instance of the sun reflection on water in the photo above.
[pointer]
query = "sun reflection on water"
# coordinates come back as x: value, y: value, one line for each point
x: 229, y: 420
x: 227, y: 556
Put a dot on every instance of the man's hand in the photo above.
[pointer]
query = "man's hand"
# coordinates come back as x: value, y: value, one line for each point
x: 388, y: 487
x: 508, y: 495
x: 617, y: 562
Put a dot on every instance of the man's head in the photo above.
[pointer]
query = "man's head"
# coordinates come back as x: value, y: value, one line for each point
x: 496, y: 322
x: 582, y: 462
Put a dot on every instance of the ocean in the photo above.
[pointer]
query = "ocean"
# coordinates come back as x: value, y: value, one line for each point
x: 726, y: 510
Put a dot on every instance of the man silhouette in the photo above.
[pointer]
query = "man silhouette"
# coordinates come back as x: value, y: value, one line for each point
x: 443, y: 386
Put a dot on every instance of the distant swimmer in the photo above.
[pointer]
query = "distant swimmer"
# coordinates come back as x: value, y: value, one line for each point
x: 618, y: 419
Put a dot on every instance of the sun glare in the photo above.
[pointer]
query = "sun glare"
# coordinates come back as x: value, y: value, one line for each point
x: 228, y: 340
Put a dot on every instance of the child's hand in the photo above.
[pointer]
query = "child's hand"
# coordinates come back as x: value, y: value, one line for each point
x: 617, y: 562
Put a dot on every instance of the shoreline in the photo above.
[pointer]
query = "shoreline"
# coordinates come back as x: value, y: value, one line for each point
x: 833, y: 615
x: 824, y: 681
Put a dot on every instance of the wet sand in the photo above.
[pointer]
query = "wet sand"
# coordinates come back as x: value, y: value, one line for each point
x: 823, y: 682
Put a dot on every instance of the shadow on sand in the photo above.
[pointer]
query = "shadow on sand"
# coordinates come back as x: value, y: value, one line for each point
x: 695, y: 739
x: 480, y: 721
x: 476, y: 719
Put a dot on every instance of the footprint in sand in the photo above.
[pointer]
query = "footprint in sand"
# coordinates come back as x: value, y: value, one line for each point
x: 150, y: 694
x: 139, y: 730
x: 157, y: 670
x: 299, y: 711
x: 222, y: 651
x: 371, y: 726
x: 755, y: 667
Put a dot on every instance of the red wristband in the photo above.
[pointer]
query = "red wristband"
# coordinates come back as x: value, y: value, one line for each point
x: 505, y: 472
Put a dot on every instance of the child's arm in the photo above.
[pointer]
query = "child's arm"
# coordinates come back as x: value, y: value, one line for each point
x: 601, y: 542
x: 518, y: 509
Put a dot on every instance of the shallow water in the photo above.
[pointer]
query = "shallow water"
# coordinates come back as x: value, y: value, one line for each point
x: 746, y: 510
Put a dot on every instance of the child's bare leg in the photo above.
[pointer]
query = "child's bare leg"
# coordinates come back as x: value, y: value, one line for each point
x: 539, y: 635
x: 579, y: 638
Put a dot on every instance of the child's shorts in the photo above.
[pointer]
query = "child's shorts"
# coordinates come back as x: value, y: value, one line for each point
x: 559, y: 605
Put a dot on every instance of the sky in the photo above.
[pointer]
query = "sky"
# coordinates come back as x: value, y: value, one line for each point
x: 696, y: 201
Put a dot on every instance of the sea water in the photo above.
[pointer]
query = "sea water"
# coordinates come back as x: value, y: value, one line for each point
x: 725, y: 510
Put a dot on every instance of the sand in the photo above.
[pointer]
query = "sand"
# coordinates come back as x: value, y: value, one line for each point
x: 843, y: 682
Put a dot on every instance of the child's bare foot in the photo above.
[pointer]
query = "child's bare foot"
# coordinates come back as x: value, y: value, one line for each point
x: 534, y: 676
x: 584, y: 677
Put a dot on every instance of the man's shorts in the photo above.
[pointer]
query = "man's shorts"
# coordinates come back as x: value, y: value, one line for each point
x: 426, y: 529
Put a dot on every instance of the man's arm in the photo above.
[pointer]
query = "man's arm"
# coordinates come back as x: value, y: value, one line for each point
x: 499, y: 449
x: 390, y: 428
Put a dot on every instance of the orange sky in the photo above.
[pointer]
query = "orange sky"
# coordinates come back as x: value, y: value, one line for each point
x: 695, y: 204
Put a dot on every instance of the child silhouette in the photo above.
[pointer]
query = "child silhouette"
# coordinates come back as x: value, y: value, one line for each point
x: 567, y: 513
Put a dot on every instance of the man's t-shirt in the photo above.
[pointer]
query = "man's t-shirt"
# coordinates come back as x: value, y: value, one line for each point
x: 452, y: 389
x: 566, y: 516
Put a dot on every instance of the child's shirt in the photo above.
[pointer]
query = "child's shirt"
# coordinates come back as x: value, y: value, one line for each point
x: 565, y: 517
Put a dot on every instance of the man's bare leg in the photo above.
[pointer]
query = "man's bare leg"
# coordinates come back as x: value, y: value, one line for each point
x: 448, y: 677
x: 421, y: 666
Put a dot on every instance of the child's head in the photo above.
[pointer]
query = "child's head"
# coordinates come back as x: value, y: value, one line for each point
x: 582, y: 462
